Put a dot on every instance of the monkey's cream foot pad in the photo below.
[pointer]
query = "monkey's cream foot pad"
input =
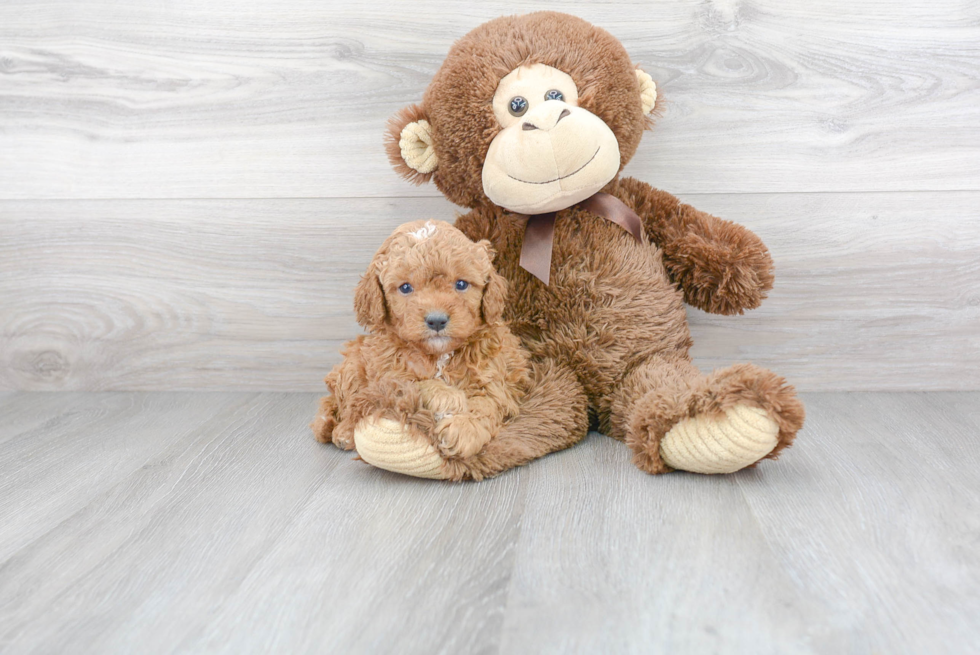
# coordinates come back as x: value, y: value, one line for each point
x: 392, y: 446
x: 740, y: 438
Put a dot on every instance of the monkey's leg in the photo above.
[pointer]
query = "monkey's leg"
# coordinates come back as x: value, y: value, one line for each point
x: 553, y: 416
x: 673, y: 417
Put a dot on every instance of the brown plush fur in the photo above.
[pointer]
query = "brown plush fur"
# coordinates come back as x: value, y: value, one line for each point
x: 401, y: 370
x: 457, y: 102
x: 611, y: 327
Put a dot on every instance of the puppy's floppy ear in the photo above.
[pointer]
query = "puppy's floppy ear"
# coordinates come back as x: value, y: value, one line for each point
x: 369, y: 299
x: 410, y: 142
x: 495, y: 290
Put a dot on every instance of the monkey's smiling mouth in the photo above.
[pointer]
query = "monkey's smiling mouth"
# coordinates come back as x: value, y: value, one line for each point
x: 563, y: 176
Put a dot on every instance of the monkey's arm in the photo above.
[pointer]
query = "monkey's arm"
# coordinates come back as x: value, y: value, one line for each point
x: 722, y: 267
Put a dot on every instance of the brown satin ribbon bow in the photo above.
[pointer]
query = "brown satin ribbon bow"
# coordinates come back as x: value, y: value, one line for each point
x: 539, y: 232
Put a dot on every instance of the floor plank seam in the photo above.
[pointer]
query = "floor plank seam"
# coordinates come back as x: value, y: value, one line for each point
x: 514, y: 548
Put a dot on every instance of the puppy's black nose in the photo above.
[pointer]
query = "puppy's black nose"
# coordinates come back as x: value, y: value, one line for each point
x: 436, y: 320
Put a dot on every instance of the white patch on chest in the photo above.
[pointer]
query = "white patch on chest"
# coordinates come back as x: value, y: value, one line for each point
x: 441, y: 375
x: 441, y: 365
x: 425, y: 231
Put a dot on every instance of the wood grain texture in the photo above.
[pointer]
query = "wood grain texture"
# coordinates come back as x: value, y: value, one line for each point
x: 55, y: 468
x: 193, y: 523
x: 873, y: 291
x: 237, y: 532
x: 252, y: 98
x: 870, y: 520
x: 895, y: 501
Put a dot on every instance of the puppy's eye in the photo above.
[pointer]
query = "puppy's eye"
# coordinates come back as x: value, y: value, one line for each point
x: 462, y: 285
x: 518, y: 106
x: 554, y: 94
x: 406, y: 288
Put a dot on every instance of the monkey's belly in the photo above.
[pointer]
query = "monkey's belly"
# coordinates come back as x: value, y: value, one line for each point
x: 610, y: 305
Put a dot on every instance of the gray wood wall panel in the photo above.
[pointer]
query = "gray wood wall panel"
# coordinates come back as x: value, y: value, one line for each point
x: 188, y: 191
x: 101, y: 99
x: 873, y: 291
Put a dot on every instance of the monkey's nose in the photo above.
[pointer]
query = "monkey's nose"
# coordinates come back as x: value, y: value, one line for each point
x: 545, y: 120
x: 436, y: 320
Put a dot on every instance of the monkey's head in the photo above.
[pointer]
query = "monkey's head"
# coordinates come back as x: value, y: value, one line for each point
x: 532, y: 113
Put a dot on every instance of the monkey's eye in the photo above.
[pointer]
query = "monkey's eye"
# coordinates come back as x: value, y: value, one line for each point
x: 462, y: 285
x: 554, y: 94
x: 406, y: 288
x: 518, y: 106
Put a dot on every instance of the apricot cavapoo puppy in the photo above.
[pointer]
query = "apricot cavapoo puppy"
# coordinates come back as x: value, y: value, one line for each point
x: 438, y: 357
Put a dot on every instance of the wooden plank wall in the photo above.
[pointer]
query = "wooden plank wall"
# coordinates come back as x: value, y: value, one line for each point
x: 189, y: 191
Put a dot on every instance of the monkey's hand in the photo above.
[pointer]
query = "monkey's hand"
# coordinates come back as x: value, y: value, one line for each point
x: 721, y: 267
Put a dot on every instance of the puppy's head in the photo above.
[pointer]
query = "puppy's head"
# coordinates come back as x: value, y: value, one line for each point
x: 431, y: 286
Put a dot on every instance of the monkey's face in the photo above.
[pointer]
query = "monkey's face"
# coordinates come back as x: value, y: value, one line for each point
x: 531, y: 113
x: 550, y: 153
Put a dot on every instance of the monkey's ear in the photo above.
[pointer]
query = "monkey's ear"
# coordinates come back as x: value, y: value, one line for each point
x: 409, y: 142
x: 648, y: 91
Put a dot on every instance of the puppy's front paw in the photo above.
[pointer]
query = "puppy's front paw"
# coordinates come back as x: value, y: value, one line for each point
x: 343, y: 436
x: 325, y: 421
x: 327, y: 429
x: 323, y: 426
x: 460, y: 436
x: 442, y: 399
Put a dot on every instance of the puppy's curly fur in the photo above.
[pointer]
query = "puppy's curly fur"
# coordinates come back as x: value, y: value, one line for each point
x: 456, y: 382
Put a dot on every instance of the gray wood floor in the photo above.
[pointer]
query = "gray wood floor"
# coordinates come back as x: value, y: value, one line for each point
x: 212, y: 522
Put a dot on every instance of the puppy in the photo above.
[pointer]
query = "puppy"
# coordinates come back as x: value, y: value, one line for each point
x: 438, y: 357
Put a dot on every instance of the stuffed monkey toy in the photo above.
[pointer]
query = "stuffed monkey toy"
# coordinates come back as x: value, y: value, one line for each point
x: 528, y: 123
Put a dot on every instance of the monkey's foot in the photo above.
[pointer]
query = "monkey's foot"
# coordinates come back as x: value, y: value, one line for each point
x: 392, y: 446
x: 723, y: 422
x: 724, y: 444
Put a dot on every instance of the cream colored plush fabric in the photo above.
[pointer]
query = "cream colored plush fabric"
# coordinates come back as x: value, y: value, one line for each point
x: 555, y: 154
x: 703, y: 445
x: 415, y: 142
x: 648, y: 91
x: 388, y: 445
